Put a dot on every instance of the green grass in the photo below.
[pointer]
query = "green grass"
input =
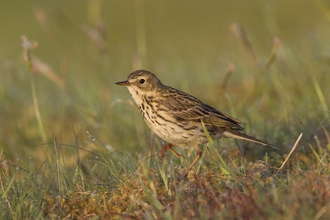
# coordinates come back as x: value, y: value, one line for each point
x: 73, y: 145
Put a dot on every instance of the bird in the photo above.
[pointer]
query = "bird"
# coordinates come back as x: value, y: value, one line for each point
x: 180, y: 118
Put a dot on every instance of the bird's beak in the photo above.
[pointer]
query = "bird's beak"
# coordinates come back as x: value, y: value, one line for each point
x: 123, y: 83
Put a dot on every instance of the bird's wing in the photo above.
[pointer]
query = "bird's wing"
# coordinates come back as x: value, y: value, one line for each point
x: 186, y: 107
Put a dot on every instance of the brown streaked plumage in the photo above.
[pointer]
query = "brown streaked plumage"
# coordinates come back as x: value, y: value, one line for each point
x: 176, y: 116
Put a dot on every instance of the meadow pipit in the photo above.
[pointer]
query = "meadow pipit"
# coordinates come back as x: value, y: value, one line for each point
x: 177, y: 117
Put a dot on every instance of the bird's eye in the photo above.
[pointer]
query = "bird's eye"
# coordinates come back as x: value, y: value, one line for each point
x: 141, y: 81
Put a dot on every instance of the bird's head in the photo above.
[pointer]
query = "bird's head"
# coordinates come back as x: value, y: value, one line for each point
x: 141, y: 83
x: 142, y: 80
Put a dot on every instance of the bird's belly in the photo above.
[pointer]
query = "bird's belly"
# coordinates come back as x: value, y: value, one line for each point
x: 183, y: 135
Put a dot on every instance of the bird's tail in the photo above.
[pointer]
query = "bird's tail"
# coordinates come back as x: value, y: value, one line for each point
x: 248, y: 138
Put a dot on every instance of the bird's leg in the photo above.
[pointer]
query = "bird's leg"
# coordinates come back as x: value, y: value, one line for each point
x: 199, y: 154
x: 165, y: 148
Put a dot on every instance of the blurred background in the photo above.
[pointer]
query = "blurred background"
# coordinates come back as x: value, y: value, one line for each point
x: 264, y: 62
